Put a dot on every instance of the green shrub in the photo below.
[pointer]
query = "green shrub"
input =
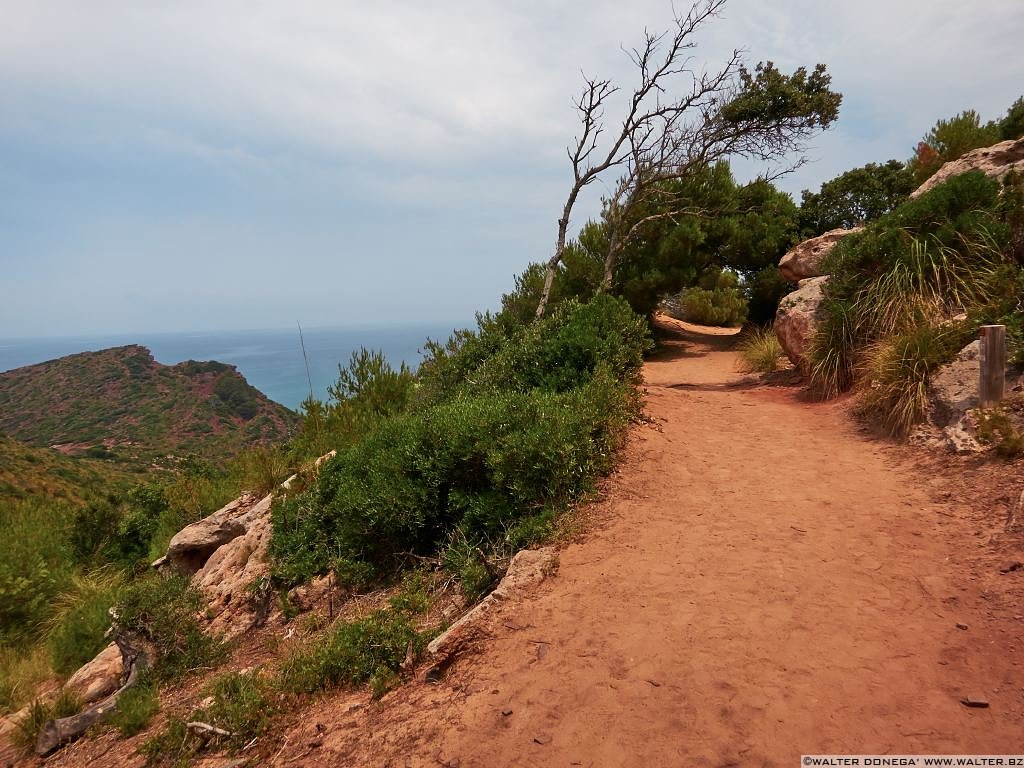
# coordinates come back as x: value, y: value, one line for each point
x: 479, y: 463
x: 136, y: 707
x: 717, y: 300
x: 895, y: 373
x: 371, y: 650
x: 927, y: 260
x: 242, y: 704
x: 261, y: 468
x: 506, y: 435
x: 172, y: 746
x: 164, y: 611
x: 995, y: 428
x: 760, y: 350
x: 22, y: 670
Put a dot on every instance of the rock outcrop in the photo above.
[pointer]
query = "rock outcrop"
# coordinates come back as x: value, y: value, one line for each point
x: 995, y: 161
x: 100, y: 677
x: 194, y: 544
x: 804, y: 260
x: 230, y: 576
x: 953, y: 389
x: 528, y: 567
x: 797, y: 319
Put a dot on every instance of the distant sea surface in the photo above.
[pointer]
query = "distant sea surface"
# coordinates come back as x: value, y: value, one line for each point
x: 270, y: 360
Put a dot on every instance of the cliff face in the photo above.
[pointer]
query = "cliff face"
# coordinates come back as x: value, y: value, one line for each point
x: 121, y: 399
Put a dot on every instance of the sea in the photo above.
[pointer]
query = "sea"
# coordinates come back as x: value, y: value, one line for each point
x: 271, y: 360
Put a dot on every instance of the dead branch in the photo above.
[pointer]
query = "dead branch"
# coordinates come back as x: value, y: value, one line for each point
x: 136, y: 659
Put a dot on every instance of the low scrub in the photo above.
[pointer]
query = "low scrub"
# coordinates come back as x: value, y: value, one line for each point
x: 40, y: 712
x: 164, y: 611
x: 369, y: 650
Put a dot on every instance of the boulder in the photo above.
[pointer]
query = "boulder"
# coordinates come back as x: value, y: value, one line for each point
x: 797, y: 319
x: 193, y: 545
x: 953, y: 388
x: 100, y: 677
x: 804, y: 260
x: 230, y: 573
x: 995, y: 161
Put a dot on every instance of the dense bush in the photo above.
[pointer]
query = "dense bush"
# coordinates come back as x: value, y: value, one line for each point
x: 513, y: 423
x: 371, y: 649
x: 34, y: 567
x: 716, y: 300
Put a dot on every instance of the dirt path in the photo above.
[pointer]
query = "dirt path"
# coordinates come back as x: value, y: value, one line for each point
x: 763, y: 581
x: 767, y: 583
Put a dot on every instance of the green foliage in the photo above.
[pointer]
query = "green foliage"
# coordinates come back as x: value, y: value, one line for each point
x: 172, y: 746
x: 34, y: 567
x: 82, y: 616
x: 261, y: 468
x: 164, y: 611
x: 949, y: 140
x: 243, y: 704
x: 895, y: 370
x: 894, y: 286
x: 237, y: 397
x: 996, y: 428
x: 855, y: 197
x: 371, y: 650
x: 796, y: 102
x: 764, y: 290
x: 40, y: 712
x: 717, y: 300
x: 760, y: 350
x: 524, y: 420
x: 136, y: 707
x: 1012, y: 125
x: 22, y: 670
x: 368, y: 390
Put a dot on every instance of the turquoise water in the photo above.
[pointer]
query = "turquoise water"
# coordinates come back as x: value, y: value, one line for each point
x: 271, y: 360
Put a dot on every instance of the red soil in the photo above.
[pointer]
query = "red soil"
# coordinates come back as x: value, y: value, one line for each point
x: 767, y: 582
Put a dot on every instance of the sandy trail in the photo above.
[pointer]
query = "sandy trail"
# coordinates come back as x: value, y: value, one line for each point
x: 763, y: 581
x: 767, y: 583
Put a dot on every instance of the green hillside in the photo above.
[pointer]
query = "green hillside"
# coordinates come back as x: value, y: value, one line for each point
x: 121, y: 403
x: 27, y: 471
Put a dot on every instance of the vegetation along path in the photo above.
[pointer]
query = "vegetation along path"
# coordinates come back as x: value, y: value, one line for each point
x: 764, y: 581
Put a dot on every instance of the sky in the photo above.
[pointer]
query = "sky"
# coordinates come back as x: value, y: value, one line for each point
x: 228, y: 165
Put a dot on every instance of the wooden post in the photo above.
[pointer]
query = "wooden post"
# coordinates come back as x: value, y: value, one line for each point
x: 993, y: 365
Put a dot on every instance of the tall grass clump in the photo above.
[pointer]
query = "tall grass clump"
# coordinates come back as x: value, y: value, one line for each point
x: 760, y: 351
x: 895, y: 289
x: 77, y: 630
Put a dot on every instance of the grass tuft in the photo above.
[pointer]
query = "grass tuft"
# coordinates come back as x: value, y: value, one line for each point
x: 760, y: 351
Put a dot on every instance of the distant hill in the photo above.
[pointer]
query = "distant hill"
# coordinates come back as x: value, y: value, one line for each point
x: 122, y: 403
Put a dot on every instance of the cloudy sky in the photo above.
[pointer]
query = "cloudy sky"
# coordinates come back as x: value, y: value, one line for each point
x: 196, y: 165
